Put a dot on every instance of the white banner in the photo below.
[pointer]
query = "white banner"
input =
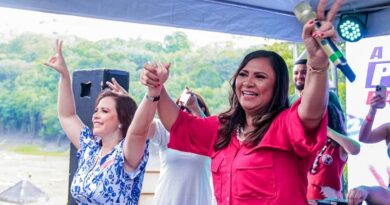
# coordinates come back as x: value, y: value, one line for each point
x: 370, y: 60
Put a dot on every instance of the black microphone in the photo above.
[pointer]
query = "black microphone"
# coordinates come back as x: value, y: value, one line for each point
x: 304, y: 13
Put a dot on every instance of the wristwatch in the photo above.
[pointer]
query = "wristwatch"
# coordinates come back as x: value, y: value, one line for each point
x: 152, y: 98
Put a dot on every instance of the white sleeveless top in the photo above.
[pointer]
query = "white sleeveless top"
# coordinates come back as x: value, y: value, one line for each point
x: 184, y: 177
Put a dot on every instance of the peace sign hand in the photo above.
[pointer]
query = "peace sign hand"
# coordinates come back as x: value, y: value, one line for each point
x: 316, y: 54
x: 57, y: 61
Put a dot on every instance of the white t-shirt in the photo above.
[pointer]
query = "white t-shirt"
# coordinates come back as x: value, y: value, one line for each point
x: 184, y: 177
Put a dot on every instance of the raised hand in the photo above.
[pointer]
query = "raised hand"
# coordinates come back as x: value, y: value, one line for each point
x: 154, y: 75
x: 116, y: 88
x: 192, y: 102
x: 317, y: 56
x: 57, y: 61
x: 376, y: 101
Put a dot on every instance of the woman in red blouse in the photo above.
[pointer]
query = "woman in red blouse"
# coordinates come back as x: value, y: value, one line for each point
x: 261, y: 149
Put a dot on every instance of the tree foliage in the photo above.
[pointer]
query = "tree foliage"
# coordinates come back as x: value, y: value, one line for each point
x: 28, y: 89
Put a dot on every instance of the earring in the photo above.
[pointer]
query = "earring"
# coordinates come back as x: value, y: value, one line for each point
x: 120, y: 126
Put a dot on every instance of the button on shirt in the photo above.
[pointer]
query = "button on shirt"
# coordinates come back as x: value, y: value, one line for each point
x: 272, y: 172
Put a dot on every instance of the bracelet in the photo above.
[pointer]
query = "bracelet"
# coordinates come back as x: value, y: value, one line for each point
x: 152, y: 98
x: 317, y: 70
x: 368, y: 119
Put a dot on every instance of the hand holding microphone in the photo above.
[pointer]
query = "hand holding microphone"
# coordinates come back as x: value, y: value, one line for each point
x: 304, y: 13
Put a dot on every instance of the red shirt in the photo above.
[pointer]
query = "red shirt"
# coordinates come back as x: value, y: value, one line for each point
x: 272, y: 173
x: 329, y: 171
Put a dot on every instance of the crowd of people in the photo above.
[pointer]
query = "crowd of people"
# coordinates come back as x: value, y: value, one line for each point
x: 266, y: 148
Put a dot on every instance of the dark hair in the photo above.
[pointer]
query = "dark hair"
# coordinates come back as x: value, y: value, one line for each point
x: 201, y: 102
x: 235, y: 115
x: 336, y: 118
x: 125, y: 108
x: 301, y: 62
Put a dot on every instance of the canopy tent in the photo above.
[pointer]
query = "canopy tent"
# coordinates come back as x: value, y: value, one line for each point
x: 264, y: 18
x: 23, y: 192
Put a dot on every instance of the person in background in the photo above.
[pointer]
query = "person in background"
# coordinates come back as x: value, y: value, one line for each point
x: 375, y: 195
x: 325, y: 175
x: 372, y: 194
x: 184, y: 177
x: 381, y: 133
x: 113, y: 155
x: 261, y: 150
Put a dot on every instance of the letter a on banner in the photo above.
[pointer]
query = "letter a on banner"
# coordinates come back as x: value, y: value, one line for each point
x: 377, y: 53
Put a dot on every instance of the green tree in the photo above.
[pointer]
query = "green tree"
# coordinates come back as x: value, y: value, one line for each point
x: 28, y: 89
x: 176, y: 42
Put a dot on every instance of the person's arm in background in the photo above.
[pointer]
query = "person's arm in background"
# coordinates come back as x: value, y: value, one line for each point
x: 193, y: 105
x: 69, y: 120
x: 382, y: 132
x: 336, y: 120
x: 315, y: 97
x: 371, y: 194
x: 378, y: 177
x: 348, y: 144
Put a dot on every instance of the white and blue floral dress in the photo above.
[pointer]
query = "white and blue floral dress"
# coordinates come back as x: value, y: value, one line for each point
x: 108, y: 182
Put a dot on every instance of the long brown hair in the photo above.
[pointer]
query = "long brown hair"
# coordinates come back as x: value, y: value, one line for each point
x: 234, y: 117
x: 125, y: 108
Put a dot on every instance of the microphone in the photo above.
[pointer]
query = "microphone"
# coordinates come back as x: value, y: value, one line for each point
x: 304, y: 13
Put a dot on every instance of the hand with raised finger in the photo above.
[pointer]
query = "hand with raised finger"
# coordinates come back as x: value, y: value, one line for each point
x: 116, y: 88
x: 192, y: 102
x: 316, y: 54
x: 330, y: 16
x: 57, y: 61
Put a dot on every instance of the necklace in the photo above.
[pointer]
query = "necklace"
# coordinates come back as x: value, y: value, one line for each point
x: 239, y: 131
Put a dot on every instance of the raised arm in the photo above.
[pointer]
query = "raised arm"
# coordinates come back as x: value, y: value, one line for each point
x: 70, y: 122
x: 382, y: 132
x: 137, y: 133
x: 167, y: 109
x: 315, y: 97
x: 193, y: 105
x: 348, y: 144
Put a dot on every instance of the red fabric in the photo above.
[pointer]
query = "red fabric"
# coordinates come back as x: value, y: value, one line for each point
x: 272, y: 173
x: 327, y: 175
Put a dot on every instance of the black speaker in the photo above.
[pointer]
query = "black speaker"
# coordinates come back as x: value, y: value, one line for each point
x: 87, y: 84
